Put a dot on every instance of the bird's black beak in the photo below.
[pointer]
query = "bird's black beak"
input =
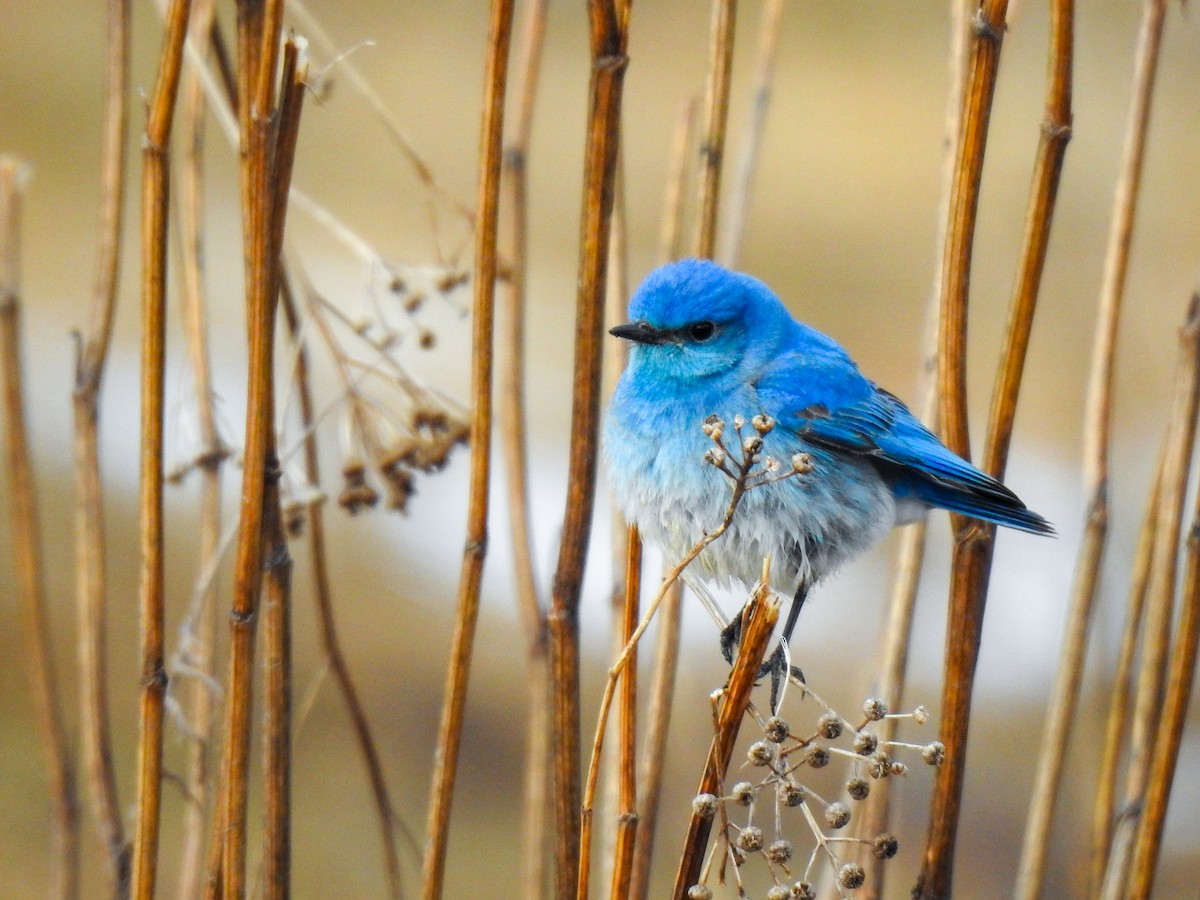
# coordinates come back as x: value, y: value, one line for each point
x: 641, y: 333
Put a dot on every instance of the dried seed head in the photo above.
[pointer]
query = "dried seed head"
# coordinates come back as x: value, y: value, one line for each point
x: 879, y: 765
x: 357, y: 494
x: 776, y: 730
x: 739, y: 857
x: 897, y: 768
x: 865, y: 743
x: 802, y: 890
x: 858, y: 788
x: 705, y: 805
x: 414, y: 302
x: 779, y: 892
x: 427, y: 339
x: 771, y: 464
x: 780, y: 851
x: 700, y: 892
x: 743, y: 793
x: 884, y: 846
x: 752, y: 445
x: 714, y: 456
x: 750, y: 839
x: 714, y: 427
x: 934, y: 753
x: 802, y: 463
x: 397, y: 285
x: 851, y: 876
x: 837, y: 815
x: 829, y: 726
x: 760, y: 753
x: 452, y: 280
x: 792, y: 794
x: 817, y: 756
x: 763, y: 423
x: 920, y: 715
x: 875, y: 709
x: 739, y: 422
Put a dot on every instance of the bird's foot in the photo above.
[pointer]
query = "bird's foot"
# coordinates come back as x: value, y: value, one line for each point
x: 780, y: 670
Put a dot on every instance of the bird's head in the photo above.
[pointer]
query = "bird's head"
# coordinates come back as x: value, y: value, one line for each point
x: 694, y: 320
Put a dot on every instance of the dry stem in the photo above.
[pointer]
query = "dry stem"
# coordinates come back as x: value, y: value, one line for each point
x: 155, y: 203
x: 514, y: 445
x: 609, y: 23
x: 716, y: 115
x: 739, y: 201
x: 450, y: 730
x: 758, y: 621
x: 972, y: 556
x: 27, y: 551
x: 91, y: 578
x: 1157, y: 634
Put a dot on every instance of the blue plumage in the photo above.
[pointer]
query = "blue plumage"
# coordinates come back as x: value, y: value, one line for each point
x: 707, y: 340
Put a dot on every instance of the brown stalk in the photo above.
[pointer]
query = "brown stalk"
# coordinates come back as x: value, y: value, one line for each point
x: 200, y: 651
x: 326, y: 623
x: 739, y: 200
x: 758, y: 622
x: 666, y: 651
x: 627, y: 820
x: 266, y: 171
x: 276, y: 562
x: 155, y: 205
x: 972, y: 550
x: 910, y: 554
x: 514, y: 446
x: 91, y: 580
x: 1117, y: 725
x: 27, y: 551
x: 450, y: 730
x: 1174, y: 710
x: 1098, y: 425
x: 716, y: 115
x: 1156, y: 639
x: 609, y: 29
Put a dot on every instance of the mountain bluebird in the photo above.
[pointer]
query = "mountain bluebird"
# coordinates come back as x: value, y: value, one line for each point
x: 707, y: 341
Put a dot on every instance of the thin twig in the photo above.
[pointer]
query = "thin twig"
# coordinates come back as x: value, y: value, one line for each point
x: 910, y: 554
x: 199, y: 649
x: 1173, y: 712
x: 26, y: 543
x: 91, y: 578
x: 1117, y: 725
x: 738, y: 207
x: 971, y: 555
x: 514, y: 445
x: 155, y: 206
x: 450, y: 730
x: 609, y: 22
x: 758, y: 621
x: 276, y: 562
x: 671, y: 229
x: 1156, y: 636
x: 716, y: 115
x: 627, y: 818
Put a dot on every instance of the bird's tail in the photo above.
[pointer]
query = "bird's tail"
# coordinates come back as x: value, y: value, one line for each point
x: 987, y: 499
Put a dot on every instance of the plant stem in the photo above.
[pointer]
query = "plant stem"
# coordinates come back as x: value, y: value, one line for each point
x: 609, y: 31
x: 972, y: 551
x: 155, y: 204
x: 450, y: 730
x: 27, y: 550
x: 716, y: 115
x: 91, y: 579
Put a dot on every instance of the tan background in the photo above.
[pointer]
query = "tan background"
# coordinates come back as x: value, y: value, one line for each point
x: 843, y: 226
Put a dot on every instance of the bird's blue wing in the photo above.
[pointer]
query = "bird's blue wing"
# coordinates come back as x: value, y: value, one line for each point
x: 826, y: 401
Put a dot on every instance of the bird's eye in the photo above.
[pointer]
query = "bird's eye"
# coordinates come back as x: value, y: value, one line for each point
x: 701, y: 331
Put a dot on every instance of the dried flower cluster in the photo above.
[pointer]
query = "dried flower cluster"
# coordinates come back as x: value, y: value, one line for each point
x: 781, y: 756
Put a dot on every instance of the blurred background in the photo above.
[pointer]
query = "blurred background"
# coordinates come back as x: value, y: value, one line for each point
x: 843, y: 225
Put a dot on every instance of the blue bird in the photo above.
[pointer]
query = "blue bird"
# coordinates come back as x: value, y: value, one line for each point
x: 706, y: 340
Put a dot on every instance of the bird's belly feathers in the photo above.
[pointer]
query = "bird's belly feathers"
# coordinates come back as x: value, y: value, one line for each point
x: 808, y: 523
